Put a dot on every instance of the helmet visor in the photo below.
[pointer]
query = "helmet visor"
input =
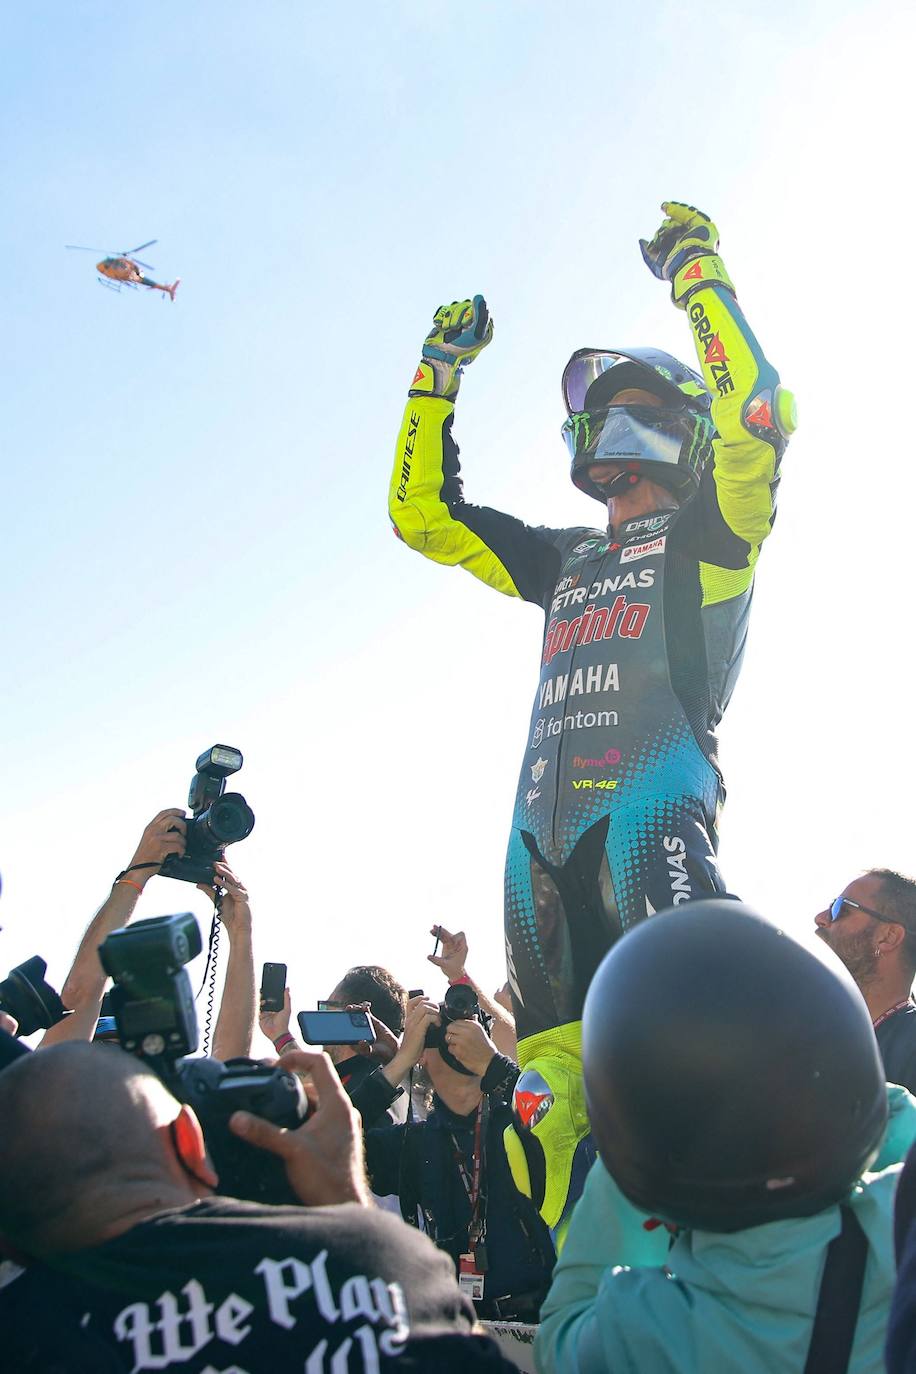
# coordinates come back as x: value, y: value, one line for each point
x: 624, y: 433
x: 581, y: 370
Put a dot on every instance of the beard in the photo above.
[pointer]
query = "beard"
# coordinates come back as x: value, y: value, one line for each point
x: 856, y: 951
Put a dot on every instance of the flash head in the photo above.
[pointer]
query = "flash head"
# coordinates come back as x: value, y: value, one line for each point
x: 219, y: 761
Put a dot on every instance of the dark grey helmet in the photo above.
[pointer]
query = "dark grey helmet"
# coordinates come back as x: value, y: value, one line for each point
x: 732, y: 1074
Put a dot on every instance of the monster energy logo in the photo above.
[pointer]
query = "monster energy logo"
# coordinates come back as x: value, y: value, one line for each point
x: 581, y: 430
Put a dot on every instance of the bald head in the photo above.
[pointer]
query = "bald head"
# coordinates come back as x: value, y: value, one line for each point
x: 83, y: 1129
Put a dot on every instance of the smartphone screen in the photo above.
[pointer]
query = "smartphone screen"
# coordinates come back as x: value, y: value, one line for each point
x: 273, y: 984
x: 335, y: 1027
x: 106, y: 1029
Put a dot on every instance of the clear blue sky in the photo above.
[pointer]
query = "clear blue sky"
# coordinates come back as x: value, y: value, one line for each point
x: 195, y: 542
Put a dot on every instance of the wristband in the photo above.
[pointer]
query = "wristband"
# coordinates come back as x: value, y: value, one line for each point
x: 130, y: 869
x: 453, y: 982
x: 130, y: 882
x: 282, y: 1041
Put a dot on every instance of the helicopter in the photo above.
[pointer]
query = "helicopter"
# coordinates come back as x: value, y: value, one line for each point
x: 123, y: 269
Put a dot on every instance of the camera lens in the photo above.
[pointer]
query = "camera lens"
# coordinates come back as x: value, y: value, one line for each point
x: 460, y: 1002
x: 226, y: 821
x: 31, y: 1000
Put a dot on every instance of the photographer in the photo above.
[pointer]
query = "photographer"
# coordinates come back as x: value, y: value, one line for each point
x: 452, y: 1168
x: 85, y: 983
x: 365, y: 1071
x: 131, y: 1263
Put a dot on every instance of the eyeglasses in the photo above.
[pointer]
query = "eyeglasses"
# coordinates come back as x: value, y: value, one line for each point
x: 836, y: 910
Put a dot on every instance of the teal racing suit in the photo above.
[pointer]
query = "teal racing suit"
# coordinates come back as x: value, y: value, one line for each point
x: 645, y: 626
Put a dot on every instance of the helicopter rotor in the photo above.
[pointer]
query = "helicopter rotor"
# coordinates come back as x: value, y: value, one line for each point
x: 108, y: 253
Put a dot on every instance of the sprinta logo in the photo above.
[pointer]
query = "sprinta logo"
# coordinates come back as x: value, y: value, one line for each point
x: 624, y: 618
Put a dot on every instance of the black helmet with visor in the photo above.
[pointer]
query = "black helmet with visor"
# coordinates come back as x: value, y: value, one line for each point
x: 732, y: 1074
x: 669, y: 443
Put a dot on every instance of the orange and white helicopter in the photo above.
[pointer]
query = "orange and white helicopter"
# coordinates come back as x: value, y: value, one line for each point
x: 123, y: 269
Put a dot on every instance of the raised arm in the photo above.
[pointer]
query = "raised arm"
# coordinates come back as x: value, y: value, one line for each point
x: 235, y: 1022
x: 85, y: 983
x: 753, y: 414
x: 426, y: 501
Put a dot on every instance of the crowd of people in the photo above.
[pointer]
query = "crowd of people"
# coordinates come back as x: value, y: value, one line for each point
x: 749, y: 1144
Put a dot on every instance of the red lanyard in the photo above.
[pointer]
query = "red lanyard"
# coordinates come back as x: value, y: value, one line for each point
x: 471, y: 1181
x: 899, y: 1006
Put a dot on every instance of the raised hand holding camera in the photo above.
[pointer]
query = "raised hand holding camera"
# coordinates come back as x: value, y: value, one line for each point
x: 234, y: 907
x: 164, y: 835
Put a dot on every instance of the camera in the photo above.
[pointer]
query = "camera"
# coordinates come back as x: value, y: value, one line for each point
x: 459, y: 1004
x: 218, y: 817
x: 152, y: 1000
x: 215, y: 1091
x: 25, y: 995
x: 153, y: 1006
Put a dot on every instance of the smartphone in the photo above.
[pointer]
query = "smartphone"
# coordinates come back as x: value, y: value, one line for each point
x: 273, y: 985
x: 438, y: 938
x: 335, y: 1027
x: 415, y: 992
x: 106, y: 1029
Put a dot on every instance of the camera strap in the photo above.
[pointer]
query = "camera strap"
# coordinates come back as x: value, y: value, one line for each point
x: 210, y: 970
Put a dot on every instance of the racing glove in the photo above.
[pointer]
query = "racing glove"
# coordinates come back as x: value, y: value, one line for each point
x: 459, y: 332
x: 684, y: 252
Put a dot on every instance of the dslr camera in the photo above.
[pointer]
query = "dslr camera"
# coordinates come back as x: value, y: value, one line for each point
x: 153, y: 1005
x: 218, y: 817
x: 459, y: 1004
x: 26, y: 995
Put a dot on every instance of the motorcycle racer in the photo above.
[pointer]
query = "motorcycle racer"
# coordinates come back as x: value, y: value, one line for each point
x: 616, y: 808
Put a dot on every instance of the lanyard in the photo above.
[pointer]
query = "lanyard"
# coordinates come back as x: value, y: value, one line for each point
x: 899, y: 1006
x: 471, y: 1182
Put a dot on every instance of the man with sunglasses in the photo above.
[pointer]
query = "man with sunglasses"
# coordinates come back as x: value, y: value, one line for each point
x: 646, y: 620
x: 871, y: 926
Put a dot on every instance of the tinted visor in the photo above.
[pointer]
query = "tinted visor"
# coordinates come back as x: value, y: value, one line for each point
x: 625, y: 433
x: 581, y: 371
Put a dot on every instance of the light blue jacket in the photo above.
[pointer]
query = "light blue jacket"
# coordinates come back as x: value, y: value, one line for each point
x: 622, y: 1302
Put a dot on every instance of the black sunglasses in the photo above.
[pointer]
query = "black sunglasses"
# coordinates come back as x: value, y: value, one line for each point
x: 836, y: 910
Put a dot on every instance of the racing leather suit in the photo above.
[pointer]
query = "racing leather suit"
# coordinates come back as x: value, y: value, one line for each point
x: 645, y: 627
